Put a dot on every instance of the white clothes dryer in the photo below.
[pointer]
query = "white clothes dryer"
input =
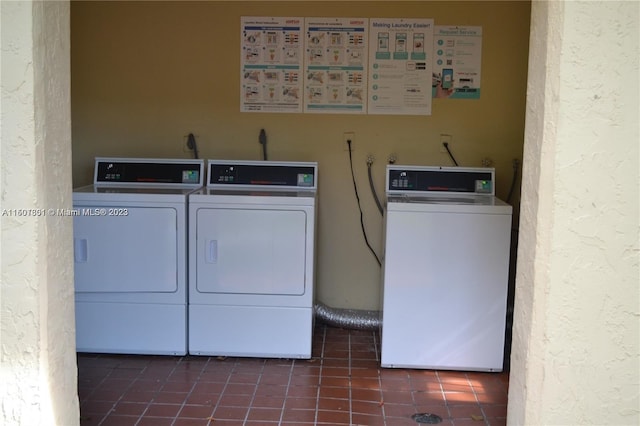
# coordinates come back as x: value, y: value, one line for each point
x: 251, y: 260
x: 446, y: 269
x: 130, y: 250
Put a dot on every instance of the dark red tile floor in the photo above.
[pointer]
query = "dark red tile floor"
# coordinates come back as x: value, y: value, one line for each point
x: 342, y: 384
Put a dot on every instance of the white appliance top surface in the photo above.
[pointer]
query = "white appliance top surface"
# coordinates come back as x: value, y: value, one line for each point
x: 253, y: 197
x: 154, y: 190
x: 476, y: 204
x: 478, y: 200
x: 257, y: 192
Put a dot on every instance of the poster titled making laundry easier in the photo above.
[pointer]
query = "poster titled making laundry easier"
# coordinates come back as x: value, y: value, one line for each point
x: 271, y: 64
x: 458, y: 61
x: 335, y: 65
x: 400, y: 66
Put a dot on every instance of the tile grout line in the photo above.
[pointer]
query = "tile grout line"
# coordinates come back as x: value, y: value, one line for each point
x: 255, y: 391
x: 104, y: 417
x: 444, y: 396
x: 379, y: 369
x: 224, y: 388
x: 193, y: 386
x: 123, y: 393
x: 324, y: 338
x: 413, y: 394
x: 286, y: 394
x: 210, y: 419
x: 350, y: 382
x: 475, y: 395
x: 153, y: 399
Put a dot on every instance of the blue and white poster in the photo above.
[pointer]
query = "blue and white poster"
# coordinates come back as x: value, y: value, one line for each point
x: 458, y: 62
x: 271, y: 64
x: 335, y: 78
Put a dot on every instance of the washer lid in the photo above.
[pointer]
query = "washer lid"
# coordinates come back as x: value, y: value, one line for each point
x: 468, y: 200
x: 443, y: 203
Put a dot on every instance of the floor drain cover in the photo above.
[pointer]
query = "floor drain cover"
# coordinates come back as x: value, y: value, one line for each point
x: 427, y: 418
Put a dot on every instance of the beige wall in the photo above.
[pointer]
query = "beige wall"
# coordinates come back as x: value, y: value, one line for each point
x: 39, y: 376
x: 576, y: 337
x: 145, y: 74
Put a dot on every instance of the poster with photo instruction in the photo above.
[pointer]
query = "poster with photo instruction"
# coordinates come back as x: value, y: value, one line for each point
x: 271, y: 64
x: 335, y: 65
x: 400, y: 66
x: 458, y: 62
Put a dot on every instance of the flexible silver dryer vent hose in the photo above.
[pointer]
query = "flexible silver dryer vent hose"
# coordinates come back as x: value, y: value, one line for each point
x: 352, y: 319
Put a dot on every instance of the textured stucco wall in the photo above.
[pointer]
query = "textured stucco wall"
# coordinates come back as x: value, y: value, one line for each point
x: 576, y: 331
x: 37, y: 355
x: 536, y: 220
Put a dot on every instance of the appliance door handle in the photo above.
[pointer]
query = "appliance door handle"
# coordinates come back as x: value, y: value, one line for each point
x: 211, y: 251
x: 80, y: 250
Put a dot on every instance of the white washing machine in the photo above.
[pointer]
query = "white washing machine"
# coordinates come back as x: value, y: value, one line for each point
x: 130, y: 249
x: 446, y: 268
x: 251, y: 260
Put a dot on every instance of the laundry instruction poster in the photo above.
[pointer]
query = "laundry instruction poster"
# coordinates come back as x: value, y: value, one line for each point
x: 335, y: 65
x: 458, y: 62
x: 271, y: 64
x: 400, y: 66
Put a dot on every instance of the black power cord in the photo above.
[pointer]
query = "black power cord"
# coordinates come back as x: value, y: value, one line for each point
x: 446, y: 146
x: 262, y: 138
x: 192, y: 145
x: 355, y: 187
x: 516, y: 166
x: 373, y: 188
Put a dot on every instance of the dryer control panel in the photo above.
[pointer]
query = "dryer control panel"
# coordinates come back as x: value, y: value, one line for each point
x: 261, y: 174
x: 148, y: 171
x: 452, y: 180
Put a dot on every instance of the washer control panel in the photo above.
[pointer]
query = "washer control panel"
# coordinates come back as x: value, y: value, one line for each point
x: 427, y: 179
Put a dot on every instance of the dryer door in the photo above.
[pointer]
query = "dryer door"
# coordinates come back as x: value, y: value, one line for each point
x: 251, y: 251
x: 135, y: 253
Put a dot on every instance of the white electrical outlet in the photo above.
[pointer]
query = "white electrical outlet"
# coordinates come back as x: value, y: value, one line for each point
x: 346, y: 137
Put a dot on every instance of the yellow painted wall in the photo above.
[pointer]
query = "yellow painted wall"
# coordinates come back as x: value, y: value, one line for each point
x: 145, y: 74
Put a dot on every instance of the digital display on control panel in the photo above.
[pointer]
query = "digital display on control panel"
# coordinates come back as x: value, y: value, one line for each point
x: 190, y: 176
x: 145, y: 172
x: 484, y: 186
x: 402, y: 180
x: 305, y: 179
